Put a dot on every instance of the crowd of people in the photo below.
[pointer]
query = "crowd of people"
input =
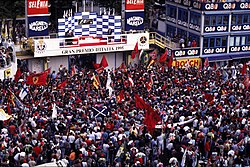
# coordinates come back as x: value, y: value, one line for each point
x: 205, y: 119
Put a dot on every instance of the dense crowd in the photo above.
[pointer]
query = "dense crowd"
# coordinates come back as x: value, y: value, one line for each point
x: 205, y: 119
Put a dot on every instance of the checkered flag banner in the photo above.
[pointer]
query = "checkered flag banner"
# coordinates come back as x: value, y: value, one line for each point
x: 90, y: 24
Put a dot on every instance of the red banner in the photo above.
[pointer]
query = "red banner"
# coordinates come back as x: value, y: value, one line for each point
x: 36, y: 7
x: 134, y: 5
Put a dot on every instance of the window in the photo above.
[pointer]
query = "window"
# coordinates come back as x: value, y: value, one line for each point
x: 231, y: 41
x: 219, y: 20
x: 213, y: 42
x: 213, y: 20
x: 233, y: 20
x: 239, y: 40
x: 245, y: 19
x: 171, y: 11
x: 225, y: 20
x: 239, y: 20
x: 207, y: 21
x: 183, y: 15
x: 195, y: 18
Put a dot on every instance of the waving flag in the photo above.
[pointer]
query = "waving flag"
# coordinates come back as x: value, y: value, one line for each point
x: 104, y: 62
x: 37, y: 79
x: 120, y: 97
x: 18, y: 74
x: 62, y: 84
x: 139, y: 102
x: 244, y: 69
x: 96, y: 81
x: 3, y: 115
x: 150, y: 83
x: 24, y: 92
x: 151, y: 118
x: 135, y: 51
x: 170, y: 61
x: 246, y: 82
x: 206, y: 63
x: 164, y: 57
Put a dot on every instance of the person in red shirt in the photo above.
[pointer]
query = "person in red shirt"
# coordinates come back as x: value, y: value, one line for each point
x: 37, y: 150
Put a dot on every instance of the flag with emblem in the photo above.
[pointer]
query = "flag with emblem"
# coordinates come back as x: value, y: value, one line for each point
x: 39, y: 79
x: 120, y: 97
x: 122, y: 67
x: 96, y: 81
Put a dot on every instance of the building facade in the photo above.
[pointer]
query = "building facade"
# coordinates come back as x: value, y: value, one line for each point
x: 219, y: 30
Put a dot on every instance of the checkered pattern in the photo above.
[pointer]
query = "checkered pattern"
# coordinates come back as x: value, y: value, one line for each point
x: 99, y: 28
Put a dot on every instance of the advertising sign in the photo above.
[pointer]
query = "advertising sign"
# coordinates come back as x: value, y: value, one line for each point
x: 187, y: 52
x: 245, y: 27
x: 134, y: 21
x: 37, y: 7
x: 243, y: 48
x: 208, y: 29
x: 134, y: 5
x: 38, y: 26
x: 193, y: 62
x: 86, y: 45
x: 218, y: 50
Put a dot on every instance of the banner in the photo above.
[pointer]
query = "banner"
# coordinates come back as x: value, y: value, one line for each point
x: 134, y: 21
x: 38, y: 26
x: 83, y: 45
x: 37, y: 7
x: 193, y: 62
x: 134, y: 5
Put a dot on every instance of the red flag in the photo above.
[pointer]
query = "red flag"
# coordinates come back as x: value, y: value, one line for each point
x: 122, y: 67
x: 73, y: 70
x: 153, y: 54
x: 48, y: 70
x: 246, y: 82
x: 135, y: 52
x: 200, y: 67
x: 149, y: 84
x: 170, y: 61
x: 131, y: 82
x: 163, y: 57
x: 164, y: 86
x: 151, y: 118
x: 104, y: 62
x: 37, y: 79
x: 136, y: 49
x: 120, y: 97
x: 96, y: 81
x: 18, y: 74
x: 206, y: 63
x: 62, y: 84
x: 139, y: 102
x: 96, y: 66
x: 209, y: 97
x: 133, y: 55
x: 8, y: 108
x: 244, y: 69
x: 215, y: 66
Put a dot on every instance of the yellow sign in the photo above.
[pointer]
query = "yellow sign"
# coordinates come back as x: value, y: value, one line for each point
x: 193, y: 62
x: 7, y: 73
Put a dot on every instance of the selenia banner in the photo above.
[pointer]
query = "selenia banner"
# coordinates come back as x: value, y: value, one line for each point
x: 37, y: 7
x: 38, y: 26
x: 134, y: 5
x: 86, y: 45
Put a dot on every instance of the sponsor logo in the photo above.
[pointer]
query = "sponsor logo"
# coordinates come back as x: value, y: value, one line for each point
x: 41, y: 46
x: 135, y: 21
x: 39, y: 4
x: 35, y: 80
x: 38, y: 26
x: 143, y: 40
x: 85, y: 21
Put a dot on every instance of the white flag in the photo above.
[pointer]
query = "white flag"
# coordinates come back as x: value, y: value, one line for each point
x: 54, y: 112
x: 108, y: 85
x: 4, y: 116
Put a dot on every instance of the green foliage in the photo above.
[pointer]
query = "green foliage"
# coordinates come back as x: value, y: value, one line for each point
x: 10, y: 9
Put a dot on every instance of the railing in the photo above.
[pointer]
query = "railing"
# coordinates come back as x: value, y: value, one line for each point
x: 161, y: 41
